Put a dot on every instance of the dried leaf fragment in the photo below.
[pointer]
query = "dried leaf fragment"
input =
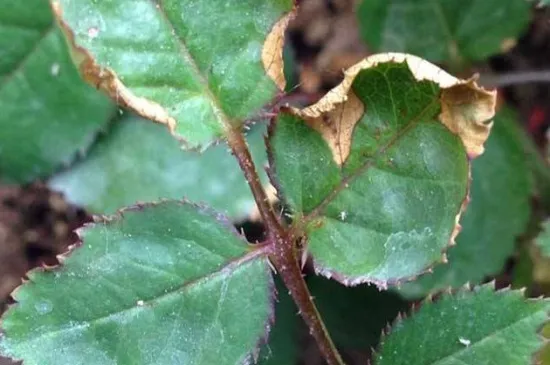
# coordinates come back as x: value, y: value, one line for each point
x: 336, y: 126
x: 465, y: 106
x: 272, y: 51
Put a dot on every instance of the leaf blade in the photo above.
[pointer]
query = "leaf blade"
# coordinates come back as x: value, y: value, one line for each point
x: 498, y: 213
x: 139, y: 161
x: 196, y: 273
x: 469, y: 328
x: 165, y: 61
x: 469, y: 30
x: 49, y: 113
x: 377, y: 171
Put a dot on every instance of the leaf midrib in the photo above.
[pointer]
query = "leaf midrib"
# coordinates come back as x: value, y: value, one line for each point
x: 365, y: 167
x: 230, y: 265
x: 186, y: 55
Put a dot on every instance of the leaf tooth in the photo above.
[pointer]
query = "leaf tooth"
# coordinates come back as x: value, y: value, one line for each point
x: 449, y: 291
x: 349, y: 281
x: 386, y: 330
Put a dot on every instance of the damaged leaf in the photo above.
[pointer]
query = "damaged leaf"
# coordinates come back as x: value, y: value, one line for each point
x: 452, y: 31
x: 48, y: 113
x: 469, y: 327
x: 200, y: 67
x: 377, y: 172
x: 140, y: 161
x: 156, y: 284
x: 498, y: 213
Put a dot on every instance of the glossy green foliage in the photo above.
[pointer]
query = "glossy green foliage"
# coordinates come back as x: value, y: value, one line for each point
x: 201, y: 61
x: 140, y: 161
x: 454, y: 31
x: 284, y: 342
x: 388, y: 212
x: 47, y: 112
x: 498, y: 212
x: 355, y: 317
x: 543, y: 240
x: 471, y: 327
x: 159, y: 284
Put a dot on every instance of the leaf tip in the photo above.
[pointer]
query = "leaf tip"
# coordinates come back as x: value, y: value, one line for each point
x: 272, y: 51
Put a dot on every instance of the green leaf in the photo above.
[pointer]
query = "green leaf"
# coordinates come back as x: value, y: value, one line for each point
x: 479, y: 327
x: 283, y: 345
x: 374, y: 175
x: 140, y: 161
x: 452, y: 31
x: 200, y: 67
x: 356, y: 316
x: 543, y: 240
x: 48, y: 112
x: 157, y: 284
x: 498, y: 212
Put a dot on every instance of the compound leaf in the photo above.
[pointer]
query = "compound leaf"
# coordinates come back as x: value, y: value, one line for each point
x: 140, y: 161
x: 376, y: 173
x: 454, y: 31
x: 200, y: 67
x: 470, y: 327
x: 48, y: 112
x: 157, y: 284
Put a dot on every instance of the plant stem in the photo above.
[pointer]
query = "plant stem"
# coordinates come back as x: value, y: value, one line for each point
x: 515, y: 78
x: 283, y: 251
x: 285, y: 260
x: 241, y: 152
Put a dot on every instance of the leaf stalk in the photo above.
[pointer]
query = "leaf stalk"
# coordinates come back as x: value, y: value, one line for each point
x: 282, y: 246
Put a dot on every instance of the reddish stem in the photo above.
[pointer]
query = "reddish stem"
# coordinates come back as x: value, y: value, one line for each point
x: 283, y: 251
x: 285, y: 260
x: 242, y: 153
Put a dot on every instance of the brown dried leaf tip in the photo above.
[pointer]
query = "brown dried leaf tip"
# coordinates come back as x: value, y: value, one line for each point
x: 466, y: 107
x: 272, y: 51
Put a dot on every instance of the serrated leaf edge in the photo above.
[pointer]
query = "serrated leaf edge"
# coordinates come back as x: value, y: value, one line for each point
x: 252, y: 356
x: 450, y: 291
x: 339, y: 95
x: 357, y: 280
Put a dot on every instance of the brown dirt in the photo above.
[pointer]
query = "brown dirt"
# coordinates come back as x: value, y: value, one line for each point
x: 35, y: 225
